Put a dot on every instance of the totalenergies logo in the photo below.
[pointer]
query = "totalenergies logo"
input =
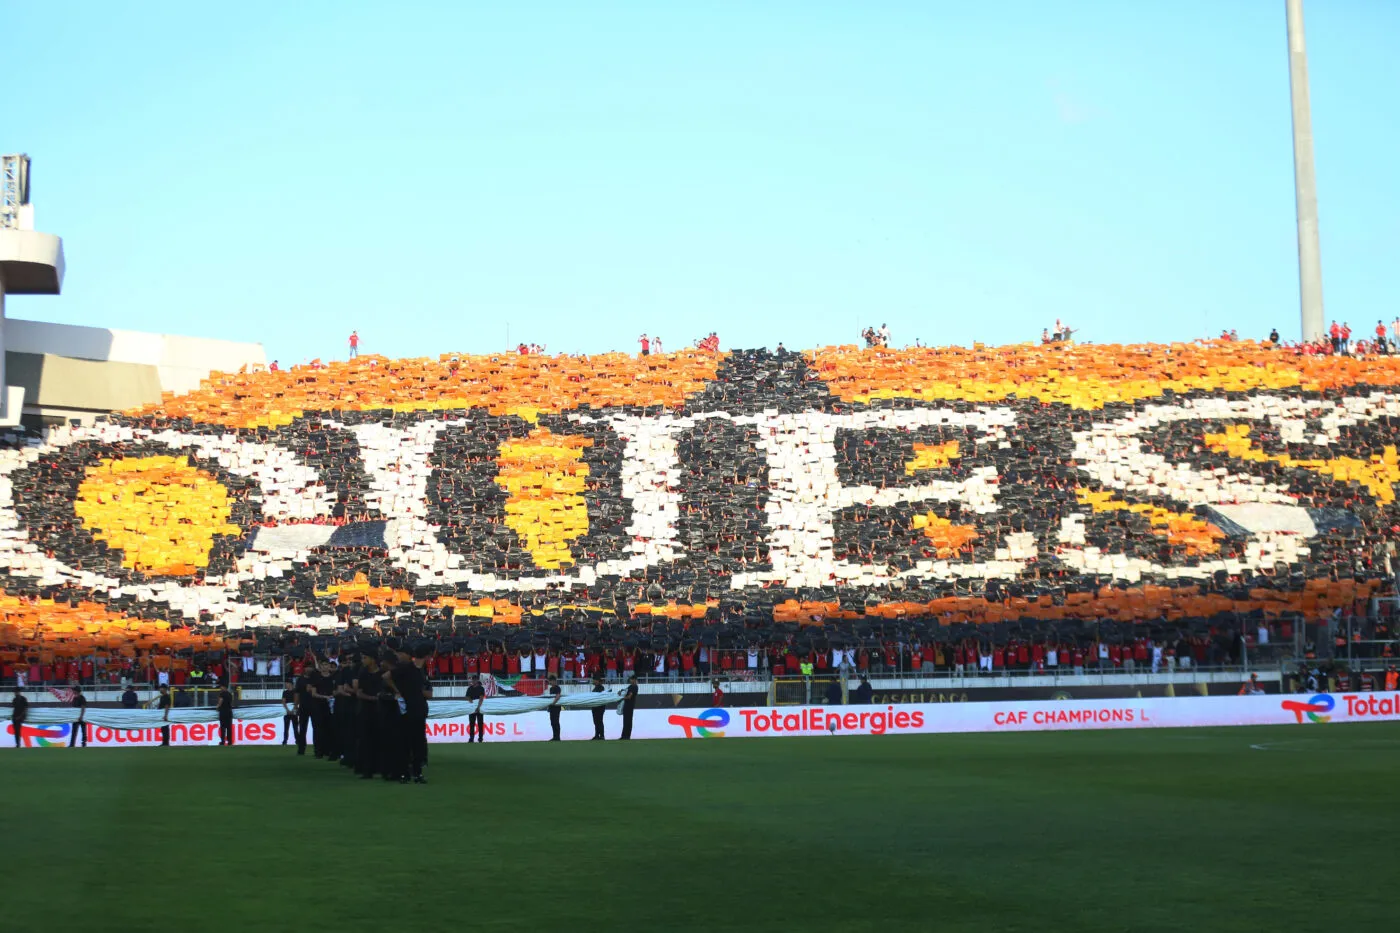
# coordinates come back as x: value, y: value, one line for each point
x: 1316, y: 709
x: 706, y: 726
x: 39, y: 736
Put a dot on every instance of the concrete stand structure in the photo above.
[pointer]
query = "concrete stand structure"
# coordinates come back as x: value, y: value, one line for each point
x: 30, y: 263
x: 57, y: 373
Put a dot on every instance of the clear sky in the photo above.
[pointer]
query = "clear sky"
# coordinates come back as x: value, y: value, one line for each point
x: 431, y: 173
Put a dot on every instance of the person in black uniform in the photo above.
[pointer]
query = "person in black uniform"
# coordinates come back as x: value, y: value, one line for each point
x: 79, y: 702
x: 344, y: 712
x: 322, y: 732
x: 598, y: 711
x: 476, y: 722
x: 314, y: 704
x: 224, y: 707
x: 555, y: 694
x: 629, y: 705
x: 412, y: 684
x: 322, y: 724
x: 19, y: 712
x: 368, y: 683
x: 289, y: 712
x: 301, y: 691
x: 163, y: 704
x: 393, y: 738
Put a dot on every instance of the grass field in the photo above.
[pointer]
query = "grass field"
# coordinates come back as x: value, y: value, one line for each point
x: 1152, y: 830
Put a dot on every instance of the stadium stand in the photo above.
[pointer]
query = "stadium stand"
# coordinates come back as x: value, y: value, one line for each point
x: 871, y: 499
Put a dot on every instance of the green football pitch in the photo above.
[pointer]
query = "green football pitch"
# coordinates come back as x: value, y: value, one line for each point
x: 1184, y: 830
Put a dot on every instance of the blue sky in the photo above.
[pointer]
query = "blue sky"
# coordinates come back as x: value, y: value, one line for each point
x: 431, y: 173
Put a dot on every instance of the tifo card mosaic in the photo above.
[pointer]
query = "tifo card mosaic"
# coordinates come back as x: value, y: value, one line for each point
x: 956, y: 486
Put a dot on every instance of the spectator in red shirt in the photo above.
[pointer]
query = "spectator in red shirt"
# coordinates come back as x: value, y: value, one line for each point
x: 645, y: 341
x: 716, y: 694
x: 354, y: 344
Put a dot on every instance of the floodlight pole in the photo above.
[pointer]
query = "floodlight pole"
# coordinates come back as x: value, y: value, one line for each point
x: 1304, y: 177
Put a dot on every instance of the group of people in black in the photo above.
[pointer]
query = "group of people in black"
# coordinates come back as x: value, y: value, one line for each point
x: 628, y: 708
x: 223, y: 702
x: 19, y: 715
x: 223, y: 707
x: 370, y: 714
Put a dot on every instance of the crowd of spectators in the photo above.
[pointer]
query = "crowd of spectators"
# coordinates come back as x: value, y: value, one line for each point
x: 722, y: 516
x: 1062, y: 333
x: 655, y: 653
x: 876, y: 336
x: 1337, y: 341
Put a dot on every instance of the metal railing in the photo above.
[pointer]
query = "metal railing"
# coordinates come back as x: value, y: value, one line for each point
x: 891, y: 681
x: 1253, y: 661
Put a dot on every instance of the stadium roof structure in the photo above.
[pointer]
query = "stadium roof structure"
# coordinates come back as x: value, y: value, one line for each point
x: 31, y: 263
x: 58, y: 373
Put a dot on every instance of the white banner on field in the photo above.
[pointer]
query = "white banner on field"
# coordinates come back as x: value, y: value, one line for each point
x: 437, y: 709
x: 528, y: 725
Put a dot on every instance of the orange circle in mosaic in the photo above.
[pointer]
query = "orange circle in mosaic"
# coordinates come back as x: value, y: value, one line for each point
x: 160, y: 512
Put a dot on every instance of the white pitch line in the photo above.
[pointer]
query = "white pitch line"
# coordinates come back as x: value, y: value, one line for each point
x: 1265, y: 746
